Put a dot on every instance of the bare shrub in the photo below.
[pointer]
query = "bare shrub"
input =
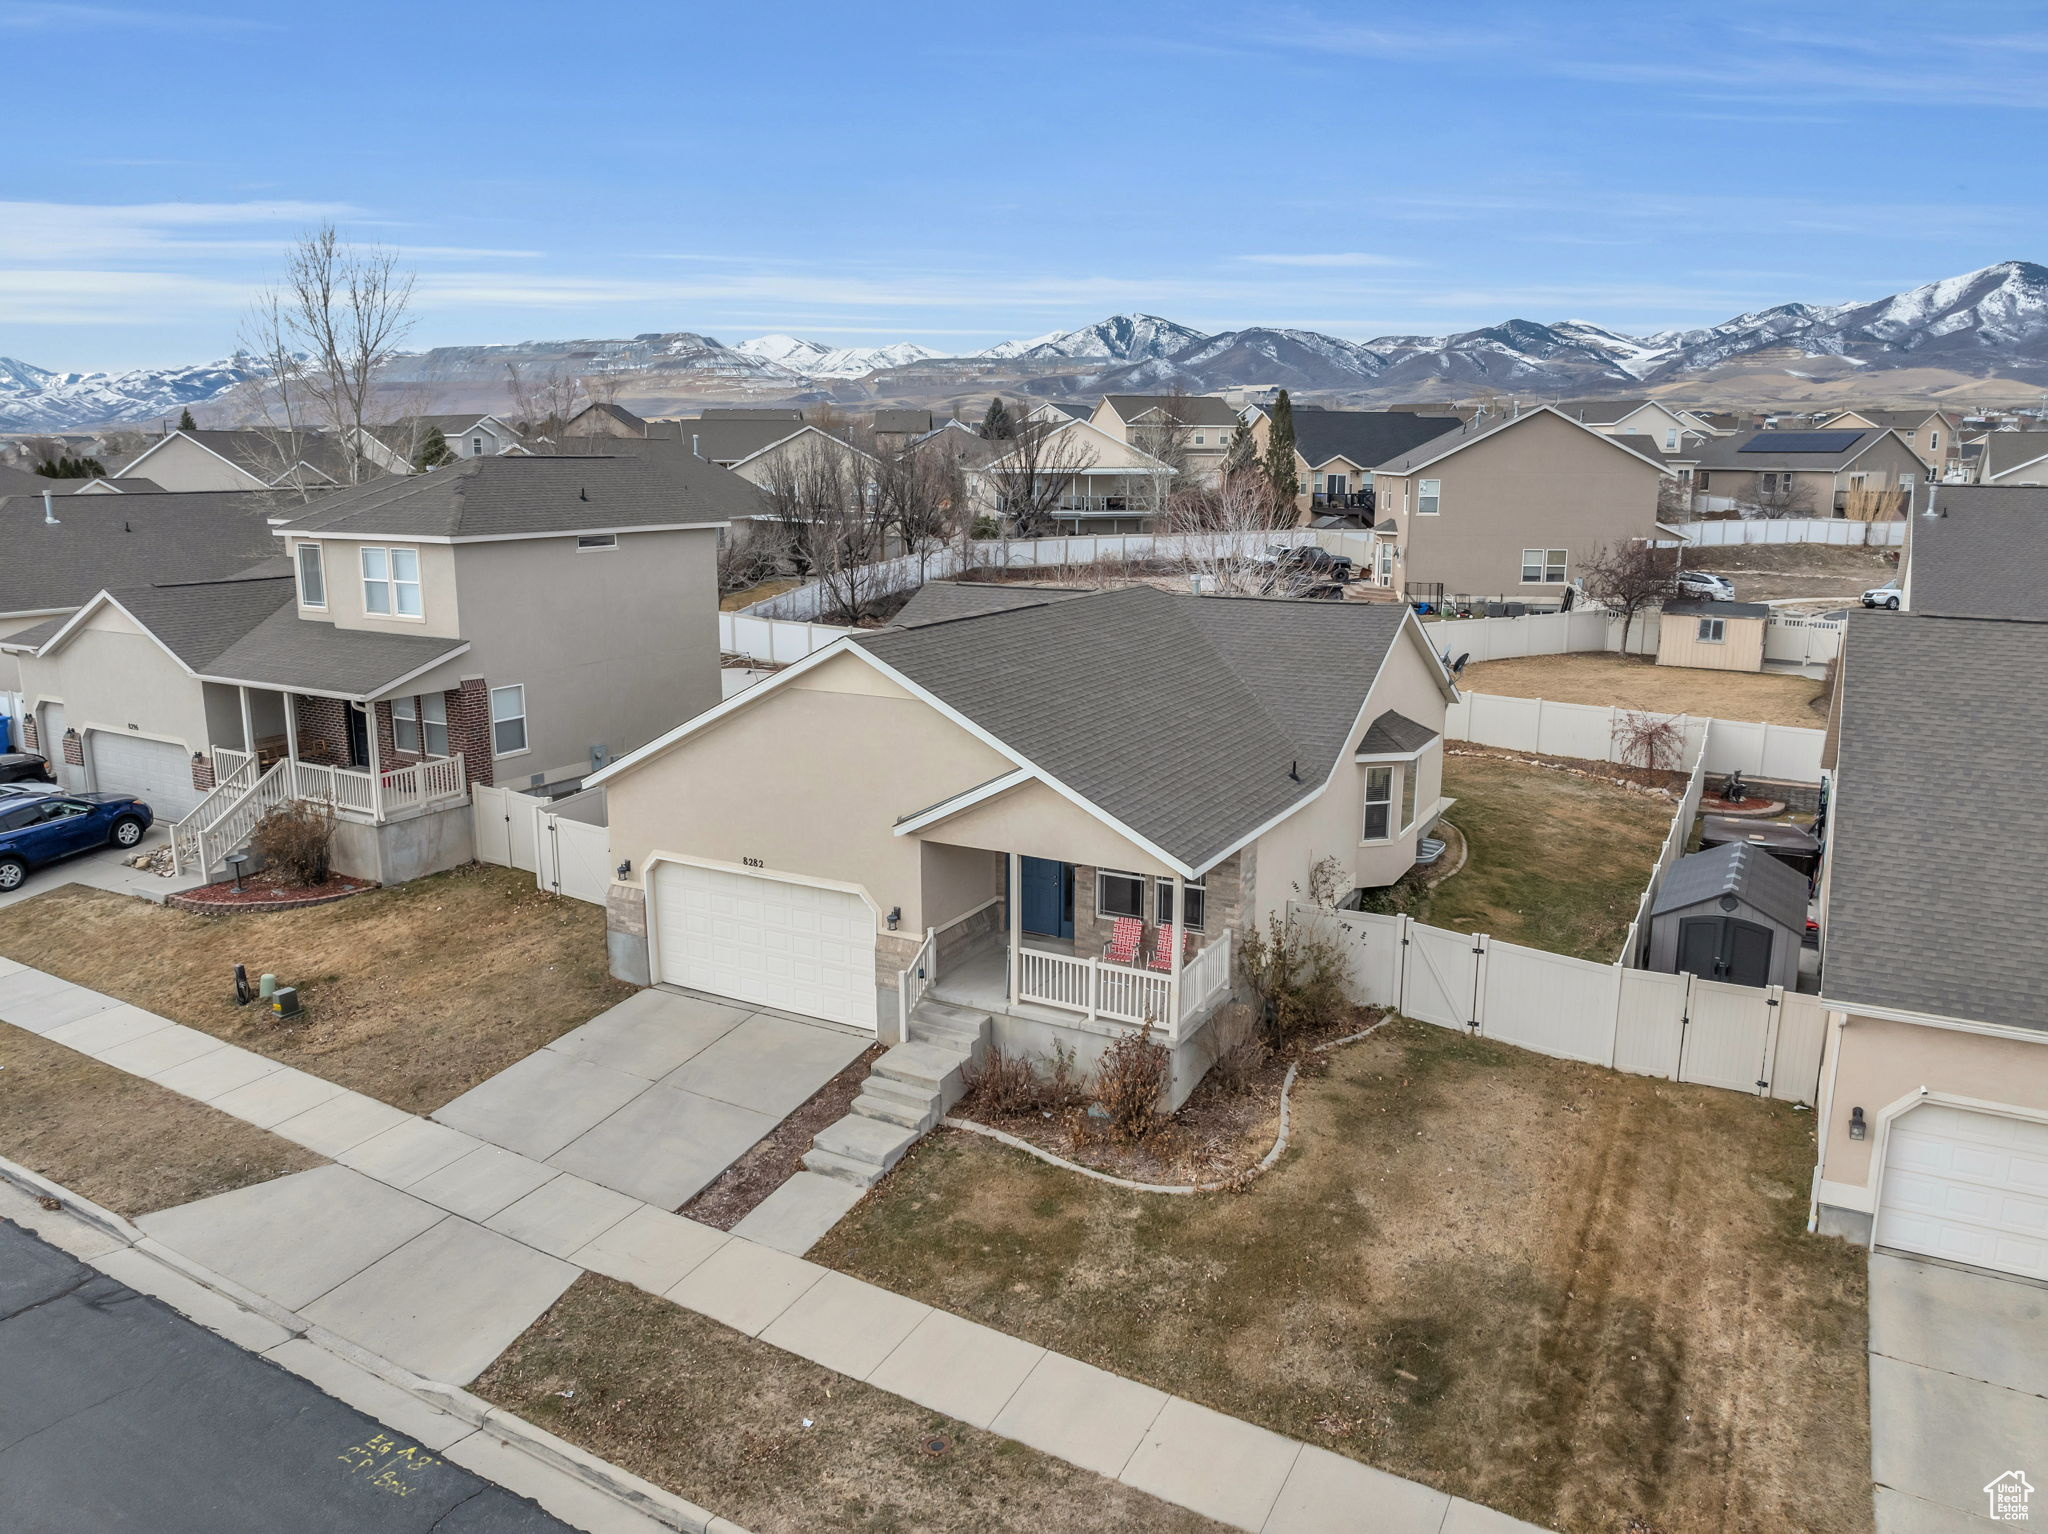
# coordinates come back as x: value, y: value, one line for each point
x: 1244, y: 1053
x: 749, y: 556
x: 295, y: 839
x: 1003, y: 1085
x: 1629, y: 579
x: 1296, y: 977
x: 1653, y: 741
x: 1129, y: 1079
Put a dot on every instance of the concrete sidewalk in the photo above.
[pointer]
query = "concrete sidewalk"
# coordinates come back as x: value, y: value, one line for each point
x: 436, y: 1250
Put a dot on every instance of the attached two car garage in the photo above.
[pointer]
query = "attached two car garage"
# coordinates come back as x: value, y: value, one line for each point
x: 1968, y: 1186
x: 766, y: 940
x: 158, y: 772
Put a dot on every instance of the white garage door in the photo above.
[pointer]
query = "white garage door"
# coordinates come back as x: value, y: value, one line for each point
x: 158, y: 772
x: 1971, y: 1187
x: 792, y: 947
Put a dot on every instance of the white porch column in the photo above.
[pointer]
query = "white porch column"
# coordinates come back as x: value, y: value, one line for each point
x: 291, y: 725
x: 376, y: 761
x: 248, y: 722
x: 1180, y: 946
x: 1016, y: 903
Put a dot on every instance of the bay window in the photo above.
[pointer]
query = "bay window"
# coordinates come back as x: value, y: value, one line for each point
x: 1379, y: 803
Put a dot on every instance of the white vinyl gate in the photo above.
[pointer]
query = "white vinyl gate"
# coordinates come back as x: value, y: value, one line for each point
x: 1755, y: 1039
x: 572, y: 858
x: 158, y: 772
x: 794, y: 947
x: 1971, y: 1187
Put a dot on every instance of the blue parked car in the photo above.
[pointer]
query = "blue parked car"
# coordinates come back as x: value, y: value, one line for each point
x: 42, y: 829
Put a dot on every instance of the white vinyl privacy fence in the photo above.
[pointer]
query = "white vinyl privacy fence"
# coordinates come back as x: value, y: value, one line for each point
x: 557, y: 843
x: 1839, y: 531
x: 1676, y: 836
x: 1782, y: 752
x: 779, y: 641
x: 1764, y: 1041
x: 811, y: 602
x: 1787, y: 636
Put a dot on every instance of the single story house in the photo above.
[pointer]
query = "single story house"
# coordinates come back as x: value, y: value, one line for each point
x: 1808, y: 473
x: 1712, y: 636
x: 258, y: 460
x: 984, y: 802
x: 515, y: 621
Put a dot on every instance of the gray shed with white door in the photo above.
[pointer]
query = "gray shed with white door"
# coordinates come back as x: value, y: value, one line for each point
x: 1732, y: 913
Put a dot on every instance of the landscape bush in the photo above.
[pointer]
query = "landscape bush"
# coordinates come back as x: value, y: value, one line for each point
x: 1296, y: 977
x: 1129, y: 1079
x: 295, y: 839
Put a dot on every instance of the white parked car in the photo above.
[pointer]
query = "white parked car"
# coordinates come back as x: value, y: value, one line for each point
x: 1886, y: 595
x: 1701, y: 585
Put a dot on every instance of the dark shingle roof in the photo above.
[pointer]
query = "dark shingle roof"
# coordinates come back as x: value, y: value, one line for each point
x: 1188, y: 409
x: 726, y: 439
x: 2005, y: 451
x: 1394, y: 734
x: 1736, y: 868
x: 943, y: 601
x: 285, y: 650
x: 1776, y: 450
x: 514, y: 496
x: 1984, y: 555
x: 1365, y: 437
x: 1605, y: 412
x: 1234, y: 696
x: 268, y: 455
x: 117, y: 540
x: 1694, y: 607
x: 903, y: 420
x: 1939, y: 821
x: 1478, y: 429
x: 197, y: 620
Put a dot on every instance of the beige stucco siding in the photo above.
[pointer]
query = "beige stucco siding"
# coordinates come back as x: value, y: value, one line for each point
x: 614, y: 646
x: 1037, y: 822
x: 111, y: 676
x: 1541, y: 483
x: 342, y: 560
x: 1679, y: 644
x: 1878, y: 1064
x: 809, y: 779
x: 181, y: 464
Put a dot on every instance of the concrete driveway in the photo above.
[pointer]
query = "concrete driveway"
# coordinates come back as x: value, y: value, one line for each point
x: 105, y: 868
x: 1958, y: 1393
x: 659, y: 1095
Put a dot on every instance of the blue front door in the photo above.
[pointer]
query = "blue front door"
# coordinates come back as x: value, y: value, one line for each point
x: 1048, y: 903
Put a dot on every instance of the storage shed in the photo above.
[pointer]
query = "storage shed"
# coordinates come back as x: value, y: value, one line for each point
x: 1713, y: 636
x: 1732, y: 913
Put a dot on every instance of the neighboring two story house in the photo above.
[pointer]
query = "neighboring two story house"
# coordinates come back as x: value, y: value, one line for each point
x: 1192, y: 432
x: 1336, y: 451
x: 257, y: 460
x: 2012, y: 458
x: 981, y: 801
x: 1081, y: 477
x: 1929, y: 433
x: 503, y: 620
x: 1506, y: 507
x: 1933, y: 1118
x: 1661, y: 423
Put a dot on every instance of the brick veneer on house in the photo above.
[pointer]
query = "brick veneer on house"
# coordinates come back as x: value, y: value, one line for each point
x: 31, y: 736
x: 323, y: 730
x: 202, y: 772
x: 74, y: 748
x: 469, y: 729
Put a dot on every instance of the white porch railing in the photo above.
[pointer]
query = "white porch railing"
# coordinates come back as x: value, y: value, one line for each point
x: 225, y: 818
x: 915, y: 980
x: 1121, y: 993
x: 1206, y: 975
x: 233, y: 827
x: 235, y: 773
x: 439, y: 779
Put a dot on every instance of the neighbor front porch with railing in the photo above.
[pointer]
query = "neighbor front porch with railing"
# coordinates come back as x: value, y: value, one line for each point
x: 224, y: 820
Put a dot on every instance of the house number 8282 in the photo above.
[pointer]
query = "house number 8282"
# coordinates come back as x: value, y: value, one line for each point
x: 754, y: 862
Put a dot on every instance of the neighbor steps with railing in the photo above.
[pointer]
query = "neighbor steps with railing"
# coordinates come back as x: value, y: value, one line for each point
x: 907, y: 1092
x: 225, y: 819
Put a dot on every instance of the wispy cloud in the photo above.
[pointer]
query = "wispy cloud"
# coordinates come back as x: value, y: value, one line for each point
x: 1330, y: 258
x: 62, y: 231
x: 54, y: 16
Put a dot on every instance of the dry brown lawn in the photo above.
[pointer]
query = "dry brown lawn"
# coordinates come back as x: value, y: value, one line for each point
x: 780, y: 1445
x: 1578, y: 1296
x: 414, y: 994
x: 1764, y: 572
x: 761, y: 593
x: 1632, y: 681
x: 1554, y: 860
x: 127, y: 1144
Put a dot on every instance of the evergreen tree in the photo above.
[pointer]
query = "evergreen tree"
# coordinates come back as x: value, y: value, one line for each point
x: 434, y: 450
x: 1242, y: 454
x: 996, y: 425
x: 185, y: 421
x: 1280, y: 451
x: 68, y: 467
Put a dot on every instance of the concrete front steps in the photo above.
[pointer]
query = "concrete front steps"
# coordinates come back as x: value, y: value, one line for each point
x: 907, y: 1092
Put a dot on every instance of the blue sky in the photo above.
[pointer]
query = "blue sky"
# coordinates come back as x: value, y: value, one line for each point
x: 960, y: 174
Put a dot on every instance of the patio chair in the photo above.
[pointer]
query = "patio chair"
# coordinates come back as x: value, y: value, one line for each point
x: 1124, y: 938
x: 1162, y: 949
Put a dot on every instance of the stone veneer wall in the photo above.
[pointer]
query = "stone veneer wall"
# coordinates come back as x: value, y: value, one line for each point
x: 1228, y: 887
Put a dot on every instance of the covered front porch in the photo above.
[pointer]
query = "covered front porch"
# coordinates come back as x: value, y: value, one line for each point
x: 1062, y: 942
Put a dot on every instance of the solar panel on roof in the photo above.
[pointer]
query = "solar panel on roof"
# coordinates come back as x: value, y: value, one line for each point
x: 1801, y: 442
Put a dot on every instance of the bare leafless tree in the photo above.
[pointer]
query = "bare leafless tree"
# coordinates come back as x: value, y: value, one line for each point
x: 825, y: 497
x: 1224, y: 541
x: 542, y: 404
x: 1029, y: 482
x: 325, y: 332
x: 751, y: 552
x: 922, y: 497
x: 1628, y: 579
x: 1653, y: 741
x: 1778, y: 495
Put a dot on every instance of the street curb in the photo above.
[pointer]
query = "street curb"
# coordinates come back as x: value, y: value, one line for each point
x: 630, y: 1491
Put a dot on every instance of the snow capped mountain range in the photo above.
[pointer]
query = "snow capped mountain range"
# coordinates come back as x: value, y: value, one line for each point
x: 1987, y: 323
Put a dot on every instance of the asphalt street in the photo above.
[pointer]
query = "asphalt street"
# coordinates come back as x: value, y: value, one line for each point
x: 117, y: 1413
